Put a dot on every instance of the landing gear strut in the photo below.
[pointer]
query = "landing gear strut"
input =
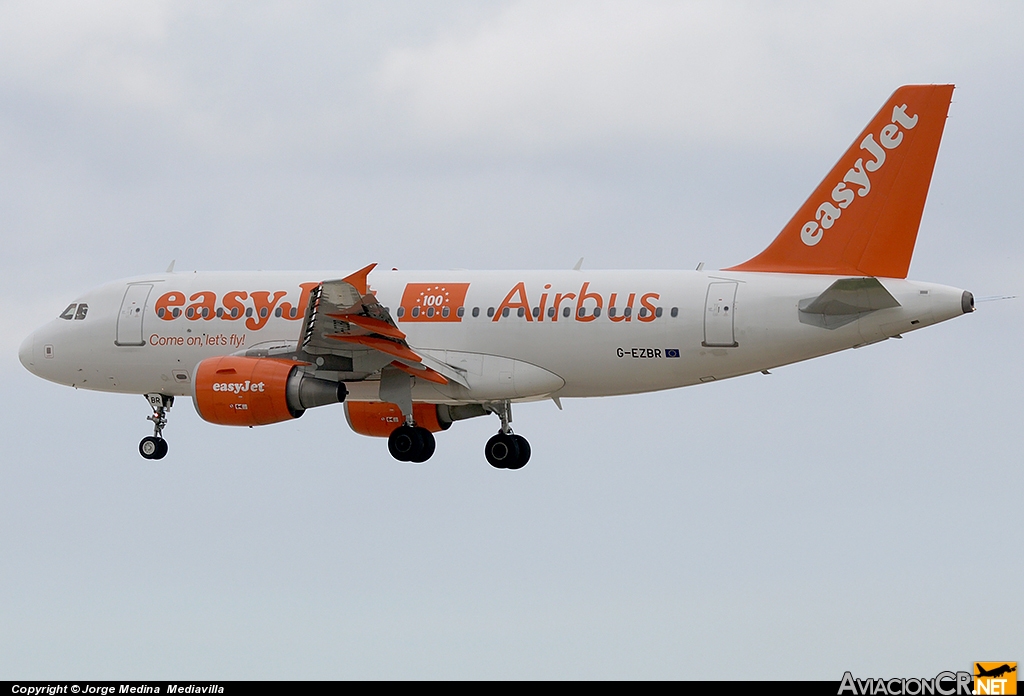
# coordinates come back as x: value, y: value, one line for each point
x: 506, y: 450
x: 155, y: 447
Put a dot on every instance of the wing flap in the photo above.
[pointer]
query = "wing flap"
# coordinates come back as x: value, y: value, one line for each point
x: 344, y: 318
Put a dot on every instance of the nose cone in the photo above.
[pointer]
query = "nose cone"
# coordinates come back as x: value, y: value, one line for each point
x: 26, y: 354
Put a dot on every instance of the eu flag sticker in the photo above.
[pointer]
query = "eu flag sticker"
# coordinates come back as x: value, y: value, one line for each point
x: 671, y: 352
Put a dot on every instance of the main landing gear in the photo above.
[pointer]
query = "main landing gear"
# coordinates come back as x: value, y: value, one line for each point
x: 411, y: 443
x: 155, y: 447
x: 506, y: 450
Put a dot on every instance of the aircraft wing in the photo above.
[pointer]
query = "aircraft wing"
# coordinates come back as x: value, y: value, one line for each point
x: 344, y: 318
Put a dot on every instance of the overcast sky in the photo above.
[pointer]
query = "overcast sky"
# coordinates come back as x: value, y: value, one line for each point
x: 853, y: 512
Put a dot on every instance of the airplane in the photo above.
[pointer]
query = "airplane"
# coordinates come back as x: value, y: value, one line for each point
x: 409, y: 353
x: 995, y: 672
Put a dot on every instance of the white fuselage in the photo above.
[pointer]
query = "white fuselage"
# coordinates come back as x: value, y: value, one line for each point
x: 682, y: 328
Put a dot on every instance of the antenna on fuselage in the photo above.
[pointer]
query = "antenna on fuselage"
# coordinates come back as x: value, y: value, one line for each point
x: 170, y: 268
x: 579, y: 264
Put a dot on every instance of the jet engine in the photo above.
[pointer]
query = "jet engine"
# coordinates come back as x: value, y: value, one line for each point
x: 379, y: 419
x: 232, y: 390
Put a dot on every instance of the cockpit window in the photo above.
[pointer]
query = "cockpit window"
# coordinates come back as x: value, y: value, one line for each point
x: 75, y: 311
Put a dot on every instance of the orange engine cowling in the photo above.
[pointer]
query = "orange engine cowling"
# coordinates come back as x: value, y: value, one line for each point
x: 233, y: 390
x: 379, y: 419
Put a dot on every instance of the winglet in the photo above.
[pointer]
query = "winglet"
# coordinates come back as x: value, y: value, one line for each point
x: 358, y: 279
x: 862, y: 220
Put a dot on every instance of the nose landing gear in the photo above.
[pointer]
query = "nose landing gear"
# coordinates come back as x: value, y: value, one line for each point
x: 155, y: 447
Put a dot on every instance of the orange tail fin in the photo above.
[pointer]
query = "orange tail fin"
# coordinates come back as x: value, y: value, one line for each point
x: 863, y: 218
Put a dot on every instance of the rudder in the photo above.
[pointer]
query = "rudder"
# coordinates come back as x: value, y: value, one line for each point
x: 863, y: 218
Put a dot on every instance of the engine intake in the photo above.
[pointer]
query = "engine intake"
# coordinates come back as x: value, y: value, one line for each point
x: 233, y: 390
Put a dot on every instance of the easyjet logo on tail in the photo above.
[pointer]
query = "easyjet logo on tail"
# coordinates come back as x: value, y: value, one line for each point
x: 857, y: 179
x: 433, y: 302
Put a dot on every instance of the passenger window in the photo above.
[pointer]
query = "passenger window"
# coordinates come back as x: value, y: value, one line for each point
x: 675, y: 312
x: 643, y: 312
x: 536, y: 312
x: 430, y: 311
x: 551, y: 312
x: 490, y: 311
x: 658, y: 312
x: 521, y: 312
x: 401, y: 312
x: 277, y: 312
x: 566, y: 312
x: 461, y: 312
x: 68, y: 313
x: 504, y: 312
x: 611, y: 311
x: 476, y: 311
x: 415, y: 312
x: 597, y: 311
x: 445, y: 311
x: 248, y: 311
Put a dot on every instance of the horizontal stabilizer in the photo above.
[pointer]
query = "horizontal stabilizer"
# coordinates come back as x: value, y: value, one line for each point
x: 844, y: 301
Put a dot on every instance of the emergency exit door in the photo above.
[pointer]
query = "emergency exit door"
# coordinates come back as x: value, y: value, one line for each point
x: 719, y: 311
x: 129, y: 320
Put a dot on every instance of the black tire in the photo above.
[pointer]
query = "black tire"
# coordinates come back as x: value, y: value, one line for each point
x: 428, y: 444
x: 501, y: 451
x: 149, y: 448
x: 524, y: 452
x: 404, y: 442
x: 161, y: 451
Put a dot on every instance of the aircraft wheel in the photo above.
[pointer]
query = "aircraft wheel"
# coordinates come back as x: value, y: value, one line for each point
x: 426, y: 450
x: 502, y: 451
x: 405, y: 442
x: 153, y: 448
x: 524, y: 453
